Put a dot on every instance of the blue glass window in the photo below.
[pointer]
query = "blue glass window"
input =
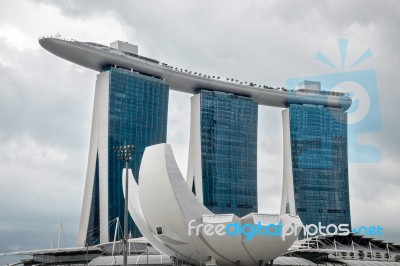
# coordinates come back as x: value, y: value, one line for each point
x: 138, y: 110
x: 320, y: 166
x: 229, y: 152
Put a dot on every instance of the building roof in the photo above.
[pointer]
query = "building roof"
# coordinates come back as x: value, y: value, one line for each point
x: 352, y: 249
x: 97, y: 57
x: 292, y: 261
x: 370, y: 263
x: 142, y: 259
x: 56, y: 251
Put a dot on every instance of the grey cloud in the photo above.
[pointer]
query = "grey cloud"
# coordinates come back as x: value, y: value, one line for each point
x: 264, y: 42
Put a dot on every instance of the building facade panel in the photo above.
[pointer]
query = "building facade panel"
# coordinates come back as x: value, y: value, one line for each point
x: 226, y: 148
x: 132, y: 110
x: 319, y: 164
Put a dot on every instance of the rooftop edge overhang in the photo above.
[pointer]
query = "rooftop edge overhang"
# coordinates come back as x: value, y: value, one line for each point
x: 95, y: 57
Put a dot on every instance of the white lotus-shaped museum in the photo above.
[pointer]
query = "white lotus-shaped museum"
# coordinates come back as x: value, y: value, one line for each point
x: 168, y: 214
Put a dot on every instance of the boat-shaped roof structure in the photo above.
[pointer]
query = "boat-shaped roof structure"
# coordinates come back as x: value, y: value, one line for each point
x: 98, y: 57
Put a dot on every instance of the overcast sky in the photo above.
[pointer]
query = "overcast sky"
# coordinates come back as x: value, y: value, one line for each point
x: 46, y: 102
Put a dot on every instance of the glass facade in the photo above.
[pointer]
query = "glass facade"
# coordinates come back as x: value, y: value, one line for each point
x: 318, y: 137
x: 228, y: 125
x: 138, y: 110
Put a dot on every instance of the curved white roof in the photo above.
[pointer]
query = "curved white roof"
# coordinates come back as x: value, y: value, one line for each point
x: 179, y: 221
x: 97, y: 56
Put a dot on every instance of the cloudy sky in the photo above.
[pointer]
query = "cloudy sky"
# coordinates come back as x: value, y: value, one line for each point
x: 46, y: 102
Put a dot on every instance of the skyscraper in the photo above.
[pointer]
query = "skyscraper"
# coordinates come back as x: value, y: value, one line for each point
x: 129, y: 108
x: 132, y: 107
x: 316, y: 185
x: 222, y: 169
